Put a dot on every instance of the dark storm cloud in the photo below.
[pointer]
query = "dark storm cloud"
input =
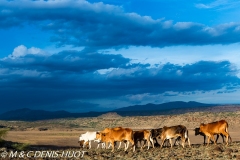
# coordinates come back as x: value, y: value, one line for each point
x: 100, y: 26
x: 203, y: 76
x: 66, y: 61
x: 72, y: 77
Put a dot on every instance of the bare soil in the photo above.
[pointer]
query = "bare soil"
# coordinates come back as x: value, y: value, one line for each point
x: 63, y: 134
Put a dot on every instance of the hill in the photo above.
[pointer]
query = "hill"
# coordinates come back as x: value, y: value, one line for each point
x: 165, y: 106
x: 170, y: 108
x: 27, y: 114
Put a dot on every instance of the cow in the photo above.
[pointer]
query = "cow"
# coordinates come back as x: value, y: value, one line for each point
x: 87, y: 137
x: 197, y: 132
x: 113, y: 135
x: 218, y: 127
x: 106, y: 130
x: 156, y: 133
x: 175, y: 132
x: 143, y: 135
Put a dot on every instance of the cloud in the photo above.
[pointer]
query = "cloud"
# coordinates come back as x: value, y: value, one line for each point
x: 100, y: 26
x: 73, y: 77
x: 219, y: 4
x: 22, y: 50
x: 23, y: 58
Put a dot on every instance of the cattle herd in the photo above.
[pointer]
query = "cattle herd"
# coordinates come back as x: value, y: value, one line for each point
x: 166, y: 134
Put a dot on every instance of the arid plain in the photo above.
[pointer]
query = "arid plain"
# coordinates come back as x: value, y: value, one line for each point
x: 63, y: 134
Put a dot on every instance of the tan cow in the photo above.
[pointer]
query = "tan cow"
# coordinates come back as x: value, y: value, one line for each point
x: 218, y: 127
x: 113, y: 135
x: 106, y: 130
x: 144, y: 135
x: 175, y: 132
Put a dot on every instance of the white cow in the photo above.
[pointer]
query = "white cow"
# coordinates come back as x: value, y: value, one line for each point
x: 88, y: 137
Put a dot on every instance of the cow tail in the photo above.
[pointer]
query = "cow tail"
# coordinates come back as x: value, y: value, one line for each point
x: 186, y: 133
x: 230, y: 138
x: 227, y: 128
x: 150, y: 137
x: 133, y: 137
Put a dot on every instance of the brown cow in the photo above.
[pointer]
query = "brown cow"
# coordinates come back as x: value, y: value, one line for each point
x: 175, y: 132
x: 143, y: 135
x: 197, y: 132
x: 106, y: 130
x: 156, y: 133
x: 218, y: 127
x: 113, y: 135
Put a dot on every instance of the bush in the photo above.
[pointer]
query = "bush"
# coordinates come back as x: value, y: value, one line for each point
x: 20, y: 146
x: 3, y: 133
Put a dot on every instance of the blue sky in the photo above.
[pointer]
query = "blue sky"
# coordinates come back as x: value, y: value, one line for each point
x: 80, y: 56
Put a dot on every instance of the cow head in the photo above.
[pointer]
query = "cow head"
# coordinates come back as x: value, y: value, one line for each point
x: 80, y: 138
x: 197, y: 131
x: 98, y: 135
x: 81, y: 143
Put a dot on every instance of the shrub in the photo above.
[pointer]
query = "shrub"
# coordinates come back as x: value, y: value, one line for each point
x: 20, y: 146
x: 3, y: 133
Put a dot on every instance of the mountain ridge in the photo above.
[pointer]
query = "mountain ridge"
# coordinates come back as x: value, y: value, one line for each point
x: 164, y: 106
x: 176, y: 107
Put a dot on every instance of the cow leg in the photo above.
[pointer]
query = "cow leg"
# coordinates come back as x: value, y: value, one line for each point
x: 134, y: 147
x: 227, y: 136
x: 189, y: 143
x: 132, y: 142
x: 151, y: 141
x: 222, y: 137
x: 163, y: 140
x: 208, y: 140
x: 98, y: 145
x: 89, y: 144
x: 212, y: 137
x: 217, y: 138
x: 119, y: 145
x: 177, y: 141
x: 144, y: 143
x: 170, y: 140
x: 156, y: 141
x: 112, y: 142
x: 84, y: 143
x: 103, y: 145
x: 204, y: 140
x: 126, y: 145
x: 183, y: 141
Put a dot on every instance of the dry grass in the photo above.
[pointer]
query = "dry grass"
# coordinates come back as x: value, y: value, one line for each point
x: 65, y: 133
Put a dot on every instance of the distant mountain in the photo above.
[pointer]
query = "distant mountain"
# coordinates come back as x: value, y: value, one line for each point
x: 177, y: 107
x: 164, y: 106
x: 26, y: 114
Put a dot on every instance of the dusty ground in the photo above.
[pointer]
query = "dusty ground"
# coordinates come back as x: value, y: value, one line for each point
x: 62, y: 135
